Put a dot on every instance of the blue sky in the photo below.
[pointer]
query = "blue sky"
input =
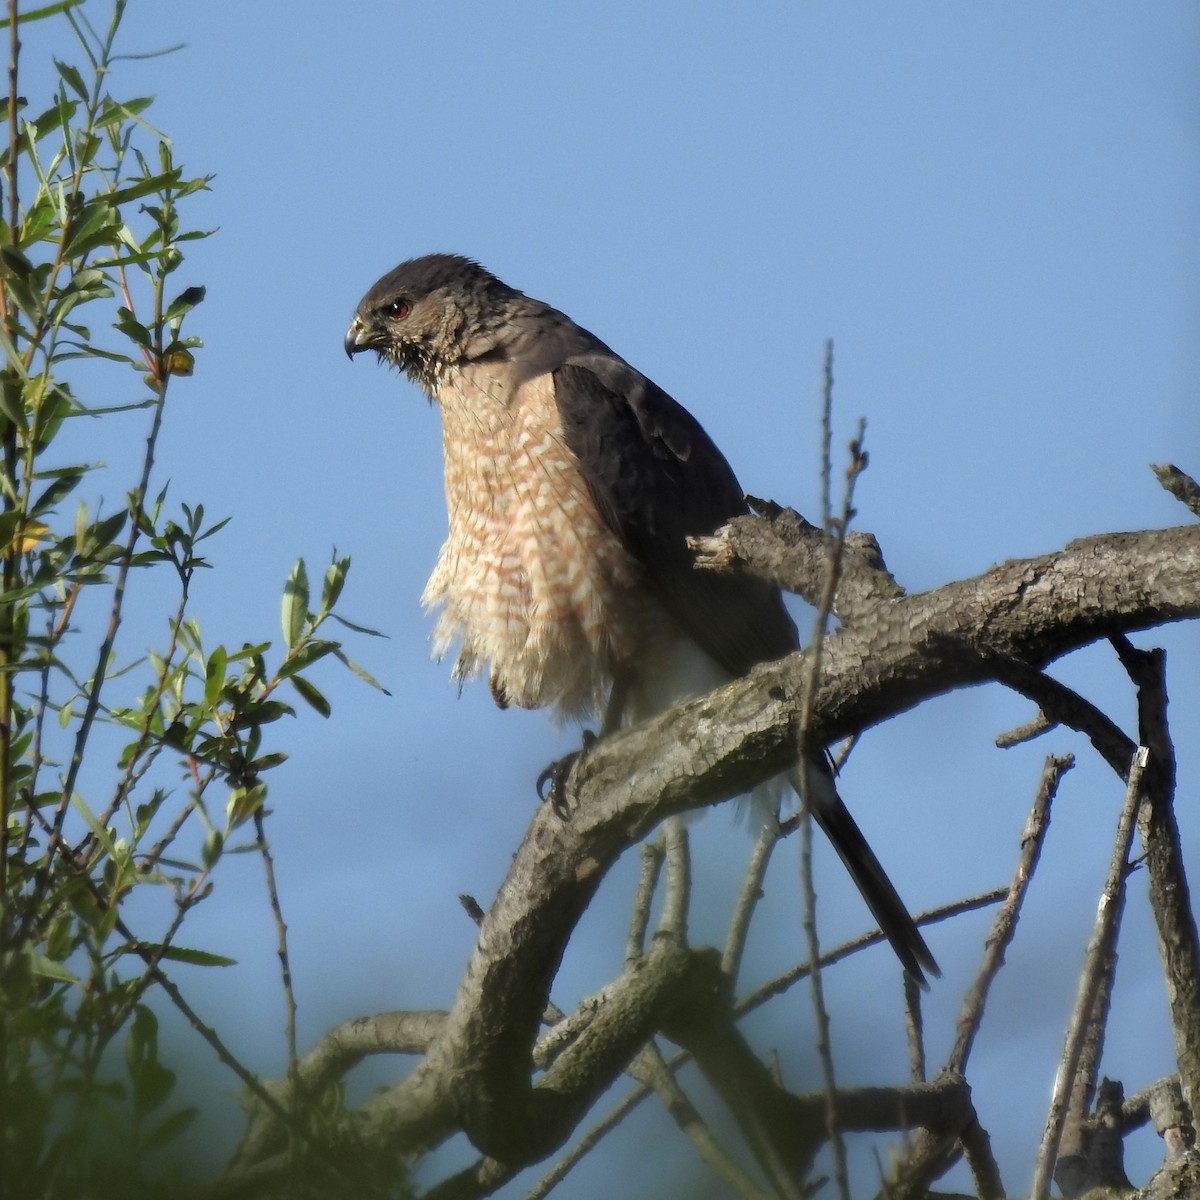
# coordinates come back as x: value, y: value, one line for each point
x: 989, y: 207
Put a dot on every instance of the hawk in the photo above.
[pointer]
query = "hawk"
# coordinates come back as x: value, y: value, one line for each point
x: 572, y: 485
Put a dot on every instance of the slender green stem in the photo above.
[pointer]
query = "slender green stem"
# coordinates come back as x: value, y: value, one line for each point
x: 9, y: 576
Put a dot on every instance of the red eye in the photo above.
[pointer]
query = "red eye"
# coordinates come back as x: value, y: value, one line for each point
x: 398, y: 309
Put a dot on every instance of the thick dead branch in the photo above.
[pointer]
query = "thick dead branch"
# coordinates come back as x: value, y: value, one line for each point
x: 785, y: 1130
x: 1171, y: 1116
x: 1025, y: 612
x: 1092, y: 1153
x: 340, y: 1049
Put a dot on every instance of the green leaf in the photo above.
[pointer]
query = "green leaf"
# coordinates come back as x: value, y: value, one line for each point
x: 184, y: 302
x: 153, y: 1083
x: 141, y: 1042
x: 249, y: 651
x: 38, y: 221
x: 308, y: 654
x: 361, y: 672
x: 132, y: 329
x: 244, y: 802
x: 96, y: 224
x: 263, y: 712
x: 72, y: 78
x: 169, y: 1129
x: 311, y: 696
x: 295, y: 604
x: 37, y: 14
x: 62, y: 486
x: 113, y: 111
x: 60, y: 940
x: 214, y: 676
x: 47, y: 968
x: 214, y: 843
x: 16, y: 262
x: 213, y: 529
x: 358, y: 628
x: 198, y: 958
x: 144, y: 187
x: 103, y: 532
x: 335, y: 580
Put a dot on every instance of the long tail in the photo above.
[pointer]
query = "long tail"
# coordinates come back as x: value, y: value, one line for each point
x: 865, y: 869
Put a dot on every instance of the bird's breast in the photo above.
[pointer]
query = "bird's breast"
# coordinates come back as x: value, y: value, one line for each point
x: 531, y: 582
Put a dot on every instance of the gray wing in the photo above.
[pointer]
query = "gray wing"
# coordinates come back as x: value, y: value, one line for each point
x: 657, y: 478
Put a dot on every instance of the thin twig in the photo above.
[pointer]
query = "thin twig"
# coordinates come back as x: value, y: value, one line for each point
x: 652, y: 1068
x: 813, y: 674
x: 1061, y: 706
x: 132, y: 775
x: 643, y: 897
x: 781, y: 983
x: 8, y: 446
x: 914, y: 1027
x: 1004, y: 925
x: 748, y: 898
x: 930, y: 1154
x: 281, y: 949
x: 673, y: 918
x: 14, y: 107
x: 1100, y: 946
x: 563, y: 1167
x: 1033, y: 728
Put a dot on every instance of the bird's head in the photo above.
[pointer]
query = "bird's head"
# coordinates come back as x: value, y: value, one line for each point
x: 427, y: 315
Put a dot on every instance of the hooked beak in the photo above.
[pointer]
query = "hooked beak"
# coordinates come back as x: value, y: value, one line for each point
x: 358, y: 339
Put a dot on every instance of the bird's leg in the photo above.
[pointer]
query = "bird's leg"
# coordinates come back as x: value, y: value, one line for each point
x: 556, y: 775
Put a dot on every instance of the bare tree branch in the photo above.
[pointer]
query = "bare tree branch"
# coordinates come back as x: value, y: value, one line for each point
x: 478, y: 1072
x: 643, y: 897
x: 1003, y: 927
x: 1170, y: 898
x: 1100, y: 948
x: 930, y: 1153
x: 781, y: 546
x: 1183, y: 487
x: 768, y: 838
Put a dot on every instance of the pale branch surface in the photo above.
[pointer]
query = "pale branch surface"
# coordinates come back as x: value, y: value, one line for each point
x: 781, y: 546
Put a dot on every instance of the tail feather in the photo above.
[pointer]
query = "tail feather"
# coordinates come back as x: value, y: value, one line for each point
x: 868, y: 874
